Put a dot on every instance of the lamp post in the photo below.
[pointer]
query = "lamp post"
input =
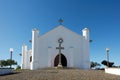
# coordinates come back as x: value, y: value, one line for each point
x: 11, y: 51
x: 107, y: 50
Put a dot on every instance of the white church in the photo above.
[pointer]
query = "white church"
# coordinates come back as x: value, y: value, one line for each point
x: 60, y: 47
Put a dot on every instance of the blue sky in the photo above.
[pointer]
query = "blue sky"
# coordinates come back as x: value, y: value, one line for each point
x: 102, y: 17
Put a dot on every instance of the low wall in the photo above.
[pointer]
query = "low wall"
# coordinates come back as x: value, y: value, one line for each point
x: 115, y: 71
x: 6, y: 71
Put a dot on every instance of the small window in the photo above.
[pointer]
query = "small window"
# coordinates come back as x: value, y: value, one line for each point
x: 30, y: 58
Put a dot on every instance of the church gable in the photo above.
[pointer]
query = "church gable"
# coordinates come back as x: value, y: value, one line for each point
x: 61, y: 30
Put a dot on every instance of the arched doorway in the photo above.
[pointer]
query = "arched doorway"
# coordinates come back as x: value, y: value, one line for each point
x: 63, y: 60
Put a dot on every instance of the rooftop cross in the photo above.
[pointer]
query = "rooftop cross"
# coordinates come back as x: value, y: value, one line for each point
x: 60, y: 21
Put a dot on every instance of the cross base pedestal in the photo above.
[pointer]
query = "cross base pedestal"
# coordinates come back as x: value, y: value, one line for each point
x: 59, y: 66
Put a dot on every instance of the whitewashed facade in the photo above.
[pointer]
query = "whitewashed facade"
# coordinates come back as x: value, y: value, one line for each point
x: 44, y: 53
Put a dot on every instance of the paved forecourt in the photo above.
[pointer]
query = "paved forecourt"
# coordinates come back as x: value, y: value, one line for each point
x: 60, y: 74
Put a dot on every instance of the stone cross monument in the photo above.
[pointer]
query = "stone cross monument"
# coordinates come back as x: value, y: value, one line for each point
x: 60, y: 48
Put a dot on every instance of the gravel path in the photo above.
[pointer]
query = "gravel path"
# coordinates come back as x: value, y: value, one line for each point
x: 60, y: 74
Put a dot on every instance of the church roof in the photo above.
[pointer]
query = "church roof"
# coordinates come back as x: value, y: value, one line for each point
x: 60, y: 27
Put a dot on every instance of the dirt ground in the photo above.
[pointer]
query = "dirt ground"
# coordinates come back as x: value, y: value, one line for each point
x: 59, y: 74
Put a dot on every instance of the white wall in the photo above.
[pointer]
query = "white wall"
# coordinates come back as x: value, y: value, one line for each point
x: 35, y: 36
x: 115, y: 71
x: 25, y: 57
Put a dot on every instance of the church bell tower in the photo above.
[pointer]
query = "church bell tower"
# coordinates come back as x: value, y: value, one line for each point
x: 35, y: 36
x: 86, y: 33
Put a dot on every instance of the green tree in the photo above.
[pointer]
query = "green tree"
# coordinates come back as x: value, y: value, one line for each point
x: 104, y: 62
x: 18, y: 67
x: 3, y: 63
x: 7, y: 62
x: 94, y: 64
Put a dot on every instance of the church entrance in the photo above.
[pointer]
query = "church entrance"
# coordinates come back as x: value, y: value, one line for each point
x: 63, y: 60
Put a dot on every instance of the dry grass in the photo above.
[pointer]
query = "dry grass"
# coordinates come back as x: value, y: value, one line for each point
x: 60, y: 74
